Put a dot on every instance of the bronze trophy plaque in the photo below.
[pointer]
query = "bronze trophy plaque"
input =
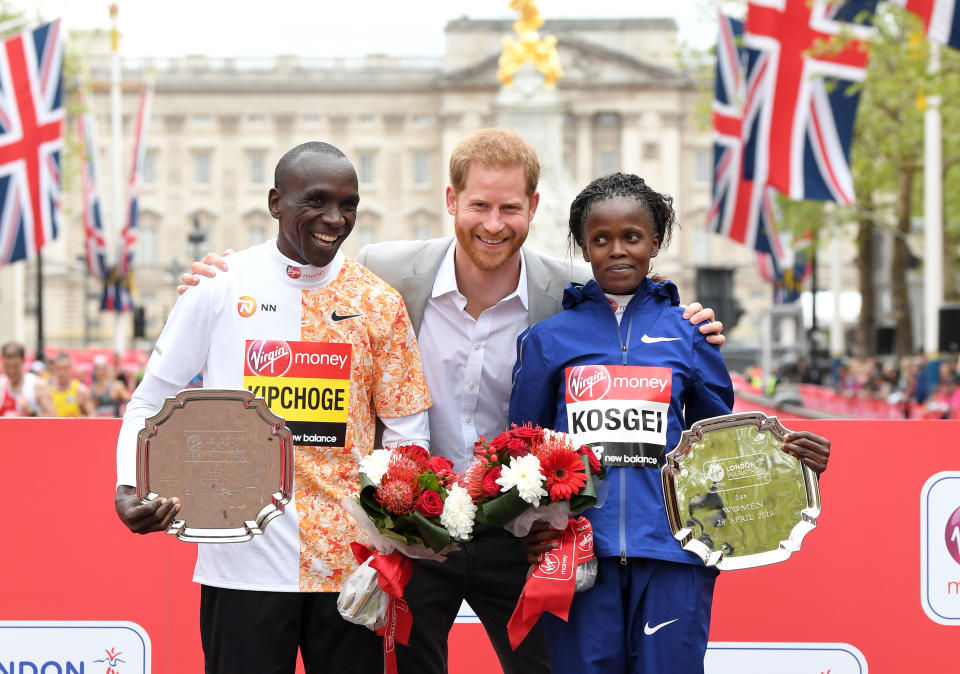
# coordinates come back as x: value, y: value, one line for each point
x: 225, y: 455
x: 733, y: 497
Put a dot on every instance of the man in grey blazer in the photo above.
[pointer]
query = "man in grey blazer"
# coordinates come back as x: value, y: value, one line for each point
x: 469, y: 297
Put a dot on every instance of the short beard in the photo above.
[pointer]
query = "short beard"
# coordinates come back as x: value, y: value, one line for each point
x: 483, y: 262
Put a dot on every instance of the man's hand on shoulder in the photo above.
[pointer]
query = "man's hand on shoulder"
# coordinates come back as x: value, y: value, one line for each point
x: 208, y: 267
x: 698, y: 315
x: 142, y: 518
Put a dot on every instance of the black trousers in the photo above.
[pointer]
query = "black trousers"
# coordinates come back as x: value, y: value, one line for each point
x: 489, y: 572
x: 259, y: 632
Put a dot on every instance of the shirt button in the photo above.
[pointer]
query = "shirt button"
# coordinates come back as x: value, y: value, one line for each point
x: 471, y: 386
x: 476, y: 347
x: 466, y: 419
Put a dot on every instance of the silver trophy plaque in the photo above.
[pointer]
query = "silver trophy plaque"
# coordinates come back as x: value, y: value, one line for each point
x: 225, y: 455
x: 733, y: 497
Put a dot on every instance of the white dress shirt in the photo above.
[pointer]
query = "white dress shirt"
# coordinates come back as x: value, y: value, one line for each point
x: 468, y: 363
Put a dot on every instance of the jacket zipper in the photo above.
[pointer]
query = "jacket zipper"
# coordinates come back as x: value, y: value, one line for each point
x: 623, y: 474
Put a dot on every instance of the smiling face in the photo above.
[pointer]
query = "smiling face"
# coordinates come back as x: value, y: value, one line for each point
x: 491, y: 215
x: 618, y: 242
x: 316, y: 204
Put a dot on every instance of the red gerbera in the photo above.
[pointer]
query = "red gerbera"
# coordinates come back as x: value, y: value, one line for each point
x: 564, y: 471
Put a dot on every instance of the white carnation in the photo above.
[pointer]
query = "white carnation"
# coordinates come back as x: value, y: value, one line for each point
x: 375, y: 464
x: 458, y: 513
x: 523, y: 472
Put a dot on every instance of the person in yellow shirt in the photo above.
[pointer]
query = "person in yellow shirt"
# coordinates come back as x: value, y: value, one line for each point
x: 71, y: 397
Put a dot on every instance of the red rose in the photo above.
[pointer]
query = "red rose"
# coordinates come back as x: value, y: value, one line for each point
x: 438, y: 464
x: 490, y: 486
x: 533, y: 434
x: 517, y: 447
x: 430, y: 504
x: 595, y: 467
x: 500, y: 441
x: 415, y: 453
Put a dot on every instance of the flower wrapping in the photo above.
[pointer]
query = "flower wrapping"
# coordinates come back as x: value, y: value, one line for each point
x: 554, y: 580
x: 388, y: 613
x: 409, y: 506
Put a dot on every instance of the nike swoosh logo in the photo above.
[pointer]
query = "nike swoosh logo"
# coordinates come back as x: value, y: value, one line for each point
x: 337, y: 317
x: 653, y: 630
x: 653, y: 340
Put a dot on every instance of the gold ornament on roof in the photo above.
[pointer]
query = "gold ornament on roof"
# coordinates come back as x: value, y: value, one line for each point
x: 530, y: 47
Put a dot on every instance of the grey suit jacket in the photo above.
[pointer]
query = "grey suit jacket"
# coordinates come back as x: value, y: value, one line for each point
x: 411, y: 267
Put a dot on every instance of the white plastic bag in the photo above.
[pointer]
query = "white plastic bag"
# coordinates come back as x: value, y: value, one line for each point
x: 361, y: 600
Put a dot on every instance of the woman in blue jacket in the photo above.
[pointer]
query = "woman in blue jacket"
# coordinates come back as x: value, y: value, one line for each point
x: 621, y: 368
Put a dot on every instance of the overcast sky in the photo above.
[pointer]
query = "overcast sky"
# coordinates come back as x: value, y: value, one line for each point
x: 331, y: 28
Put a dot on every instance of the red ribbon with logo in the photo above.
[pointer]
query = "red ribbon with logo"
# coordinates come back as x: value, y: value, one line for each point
x: 393, y: 574
x: 551, y: 585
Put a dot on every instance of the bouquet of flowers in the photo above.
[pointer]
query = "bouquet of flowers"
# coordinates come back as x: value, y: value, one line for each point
x: 529, y: 474
x: 410, y: 506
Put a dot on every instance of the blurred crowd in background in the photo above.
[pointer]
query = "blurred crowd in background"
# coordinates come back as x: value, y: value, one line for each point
x: 68, y: 383
x: 912, y: 387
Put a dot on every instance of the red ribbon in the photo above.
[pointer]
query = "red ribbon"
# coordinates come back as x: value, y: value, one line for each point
x: 551, y: 585
x: 393, y: 574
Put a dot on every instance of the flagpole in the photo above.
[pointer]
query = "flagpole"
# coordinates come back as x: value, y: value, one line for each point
x: 836, y: 285
x: 932, y: 213
x: 116, y: 122
x: 40, y: 344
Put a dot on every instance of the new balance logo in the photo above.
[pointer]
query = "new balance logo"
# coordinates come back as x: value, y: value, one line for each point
x: 338, y: 317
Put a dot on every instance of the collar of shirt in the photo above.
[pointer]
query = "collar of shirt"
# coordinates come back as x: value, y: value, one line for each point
x: 468, y: 363
x: 446, y: 281
x: 305, y: 275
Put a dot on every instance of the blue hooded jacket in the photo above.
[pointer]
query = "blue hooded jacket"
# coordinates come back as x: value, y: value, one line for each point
x: 632, y: 522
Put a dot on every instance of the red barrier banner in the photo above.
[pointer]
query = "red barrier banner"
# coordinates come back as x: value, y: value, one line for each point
x: 876, y: 585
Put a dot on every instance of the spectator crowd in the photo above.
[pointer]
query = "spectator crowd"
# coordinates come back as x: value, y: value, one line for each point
x: 913, y: 387
x: 75, y: 383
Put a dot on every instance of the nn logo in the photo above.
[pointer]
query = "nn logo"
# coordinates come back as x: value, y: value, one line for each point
x: 247, y: 306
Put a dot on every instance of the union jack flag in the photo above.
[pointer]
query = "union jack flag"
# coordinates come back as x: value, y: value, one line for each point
x: 743, y: 203
x: 940, y: 19
x: 31, y: 140
x: 805, y: 140
x: 128, y: 235
x: 93, y: 233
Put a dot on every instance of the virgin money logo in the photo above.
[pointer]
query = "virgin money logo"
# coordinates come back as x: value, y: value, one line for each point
x: 588, y: 382
x: 293, y: 272
x: 952, y: 535
x: 246, y: 306
x: 550, y: 563
x: 269, y: 358
x: 586, y: 543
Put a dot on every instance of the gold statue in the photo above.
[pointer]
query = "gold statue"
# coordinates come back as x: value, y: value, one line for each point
x: 530, y: 47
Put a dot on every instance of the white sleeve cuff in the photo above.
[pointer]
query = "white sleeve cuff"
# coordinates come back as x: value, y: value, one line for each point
x: 413, y: 429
